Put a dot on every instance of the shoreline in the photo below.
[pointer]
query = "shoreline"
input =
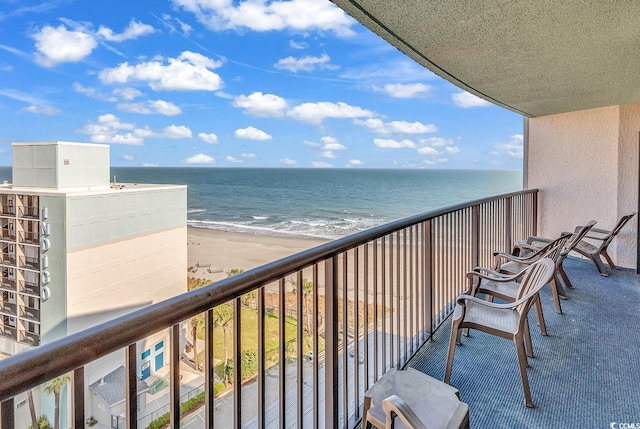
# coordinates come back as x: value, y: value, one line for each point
x: 211, y: 253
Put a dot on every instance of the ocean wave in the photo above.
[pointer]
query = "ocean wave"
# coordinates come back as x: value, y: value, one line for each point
x: 190, y: 211
x: 260, y: 217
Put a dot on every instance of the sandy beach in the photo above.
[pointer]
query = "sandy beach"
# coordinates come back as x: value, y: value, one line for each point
x: 212, y: 253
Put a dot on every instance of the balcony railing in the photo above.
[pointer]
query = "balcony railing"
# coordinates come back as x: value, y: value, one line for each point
x: 30, y: 338
x: 370, y: 300
x: 7, y: 258
x: 29, y: 212
x: 30, y: 288
x: 8, y: 234
x: 31, y: 263
x: 29, y: 237
x: 8, y: 308
x: 7, y: 284
x: 8, y: 331
x: 8, y: 210
x: 31, y: 314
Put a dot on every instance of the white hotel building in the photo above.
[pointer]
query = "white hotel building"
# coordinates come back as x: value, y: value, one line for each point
x: 78, y: 250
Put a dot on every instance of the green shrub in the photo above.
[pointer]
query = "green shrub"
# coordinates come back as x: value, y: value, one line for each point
x: 217, y: 388
x: 185, y: 407
x: 249, y: 364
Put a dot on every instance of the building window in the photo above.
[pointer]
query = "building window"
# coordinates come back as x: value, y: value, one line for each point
x: 145, y: 354
x: 159, y: 345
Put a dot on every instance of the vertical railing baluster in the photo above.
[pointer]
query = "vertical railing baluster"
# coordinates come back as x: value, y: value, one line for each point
x: 316, y: 355
x: 174, y: 375
x: 131, y: 388
x: 237, y: 362
x: 282, y: 357
x: 345, y: 340
x: 392, y: 240
x: 209, y: 369
x: 398, y: 267
x: 331, y: 342
x: 375, y: 310
x: 299, y: 367
x: 405, y: 280
x: 356, y: 331
x: 508, y: 225
x: 365, y: 341
x: 383, y: 286
x: 77, y: 397
x: 7, y: 418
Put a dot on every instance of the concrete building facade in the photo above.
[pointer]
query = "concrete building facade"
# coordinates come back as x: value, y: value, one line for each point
x: 78, y: 250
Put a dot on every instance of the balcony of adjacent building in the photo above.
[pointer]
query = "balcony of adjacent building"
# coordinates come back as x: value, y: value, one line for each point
x: 29, y: 212
x: 28, y: 262
x: 30, y: 314
x: 8, y: 308
x: 9, y: 332
x: 7, y: 284
x: 29, y: 237
x: 7, y: 233
x: 29, y: 288
x: 30, y: 338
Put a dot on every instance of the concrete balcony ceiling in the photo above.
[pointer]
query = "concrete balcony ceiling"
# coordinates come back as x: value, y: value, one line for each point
x: 535, y: 58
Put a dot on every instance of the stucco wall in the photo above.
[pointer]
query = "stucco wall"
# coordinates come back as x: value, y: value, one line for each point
x: 586, y: 166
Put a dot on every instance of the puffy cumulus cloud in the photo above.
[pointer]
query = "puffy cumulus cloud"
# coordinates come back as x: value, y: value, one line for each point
x: 437, y: 146
x: 467, y: 100
x: 200, y: 158
x: 402, y: 90
x: 452, y: 149
x: 514, y: 147
x: 110, y: 129
x: 259, y: 104
x: 321, y: 164
x: 42, y: 109
x: 310, y: 143
x: 251, y: 133
x: 151, y: 107
x: 394, y: 144
x: 128, y: 157
x: 298, y: 45
x: 354, y: 163
x: 134, y: 30
x: 308, y: 63
x: 234, y: 159
x: 176, y: 132
x: 56, y: 45
x: 208, y: 138
x: 436, y: 141
x: 127, y: 93
x: 380, y: 127
x: 288, y: 161
x: 427, y: 150
x: 248, y: 156
x: 190, y: 71
x: 275, y: 15
x: 331, y: 143
x: 328, y: 154
x: 315, y: 113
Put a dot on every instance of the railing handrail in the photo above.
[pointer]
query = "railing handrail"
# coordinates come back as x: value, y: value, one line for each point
x: 66, y: 354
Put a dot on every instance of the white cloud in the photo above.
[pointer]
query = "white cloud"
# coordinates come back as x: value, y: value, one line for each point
x: 150, y: 107
x: 514, y: 147
x: 92, y: 92
x: 208, y: 138
x: 259, y: 104
x: 401, y: 90
x: 452, y: 149
x: 308, y: 63
x: 134, y: 30
x: 297, y: 45
x: 331, y: 143
x: 310, y: 143
x: 315, y: 113
x: 354, y: 163
x: 234, y: 160
x: 56, y: 45
x: 291, y: 15
x: 127, y: 93
x: 128, y: 157
x: 467, y: 100
x: 188, y: 72
x: 380, y: 127
x: 328, y: 154
x: 150, y: 164
x: 200, y: 158
x: 287, y: 161
x: 394, y: 144
x: 320, y: 164
x: 177, y: 132
x: 109, y: 129
x: 248, y: 156
x: 251, y: 133
x: 427, y: 151
x: 436, y: 141
x: 42, y: 109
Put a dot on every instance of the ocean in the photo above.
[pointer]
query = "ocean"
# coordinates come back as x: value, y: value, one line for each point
x: 319, y: 203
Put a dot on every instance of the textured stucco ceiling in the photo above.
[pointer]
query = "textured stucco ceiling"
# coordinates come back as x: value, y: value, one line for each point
x: 535, y: 57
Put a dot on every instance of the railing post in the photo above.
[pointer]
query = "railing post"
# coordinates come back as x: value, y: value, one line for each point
x: 535, y: 212
x: 77, y: 395
x: 209, y: 372
x: 428, y: 270
x: 508, y: 242
x: 475, y: 236
x: 7, y: 420
x: 331, y: 343
x: 174, y: 375
x: 131, y: 387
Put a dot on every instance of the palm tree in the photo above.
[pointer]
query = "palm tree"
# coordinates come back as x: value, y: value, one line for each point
x: 222, y: 316
x: 197, y: 325
x: 55, y: 387
x: 307, y: 290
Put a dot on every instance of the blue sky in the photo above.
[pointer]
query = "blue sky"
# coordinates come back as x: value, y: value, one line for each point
x: 225, y: 83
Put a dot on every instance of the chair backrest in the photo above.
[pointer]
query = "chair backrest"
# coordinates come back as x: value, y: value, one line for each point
x: 616, y: 229
x: 578, y: 235
x: 536, y: 276
x: 554, y: 249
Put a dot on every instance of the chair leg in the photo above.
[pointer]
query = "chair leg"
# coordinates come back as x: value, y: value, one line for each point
x: 608, y: 258
x: 599, y: 265
x: 543, y: 325
x: 453, y: 340
x: 522, y: 363
x: 528, y: 345
x: 556, y: 294
x: 565, y: 278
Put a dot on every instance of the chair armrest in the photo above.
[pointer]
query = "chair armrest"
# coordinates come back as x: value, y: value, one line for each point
x: 394, y: 406
x: 603, y: 234
x: 510, y: 257
x: 494, y: 276
x: 462, y: 300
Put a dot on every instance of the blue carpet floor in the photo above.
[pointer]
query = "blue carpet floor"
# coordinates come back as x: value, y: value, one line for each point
x: 586, y: 373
